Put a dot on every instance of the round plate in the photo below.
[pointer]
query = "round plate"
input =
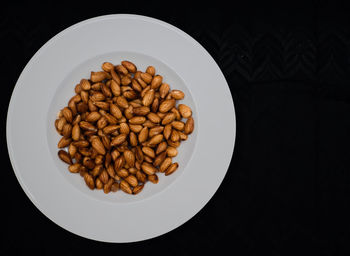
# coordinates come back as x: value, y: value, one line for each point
x: 47, y: 83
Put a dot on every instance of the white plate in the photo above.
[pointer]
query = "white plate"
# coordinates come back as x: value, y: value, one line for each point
x: 48, y: 81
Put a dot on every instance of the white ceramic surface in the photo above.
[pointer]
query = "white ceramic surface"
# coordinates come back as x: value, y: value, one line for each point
x: 48, y: 81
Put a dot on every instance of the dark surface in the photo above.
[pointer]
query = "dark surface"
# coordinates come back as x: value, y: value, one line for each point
x: 287, y: 189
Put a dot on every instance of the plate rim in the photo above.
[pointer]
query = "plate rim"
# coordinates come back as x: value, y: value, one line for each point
x: 48, y: 44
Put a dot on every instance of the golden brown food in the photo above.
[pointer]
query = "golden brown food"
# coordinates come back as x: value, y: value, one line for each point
x: 122, y: 128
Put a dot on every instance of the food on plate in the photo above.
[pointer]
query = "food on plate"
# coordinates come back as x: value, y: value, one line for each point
x: 122, y: 128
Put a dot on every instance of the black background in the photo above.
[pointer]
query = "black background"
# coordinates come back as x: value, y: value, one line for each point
x: 287, y: 189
